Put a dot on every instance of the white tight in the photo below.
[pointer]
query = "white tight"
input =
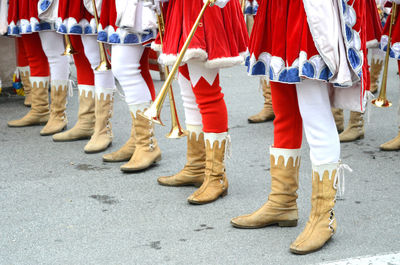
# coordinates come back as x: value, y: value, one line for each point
x: 53, y: 47
x: 318, y: 122
x: 104, y: 79
x: 125, y: 62
x: 192, y: 111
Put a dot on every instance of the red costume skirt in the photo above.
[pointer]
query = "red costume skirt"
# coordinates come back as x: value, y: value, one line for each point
x: 282, y: 47
x: 23, y: 18
x: 73, y: 18
x: 374, y: 25
x: 220, y: 40
x: 110, y: 33
x: 395, y: 43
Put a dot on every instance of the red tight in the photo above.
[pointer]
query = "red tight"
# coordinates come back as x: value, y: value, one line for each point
x: 22, y: 59
x: 288, y: 124
x: 84, y: 71
x: 37, y: 59
x: 145, y: 72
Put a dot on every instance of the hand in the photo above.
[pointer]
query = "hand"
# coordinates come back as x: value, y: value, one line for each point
x: 222, y: 3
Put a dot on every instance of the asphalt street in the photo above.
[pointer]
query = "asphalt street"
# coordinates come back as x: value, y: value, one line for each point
x: 59, y: 205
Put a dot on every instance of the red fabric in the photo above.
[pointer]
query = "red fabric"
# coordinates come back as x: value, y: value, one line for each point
x: 22, y: 59
x: 222, y: 32
x: 22, y: 9
x: 108, y: 14
x: 395, y: 30
x: 374, y: 25
x: 212, y: 106
x: 145, y: 72
x: 288, y: 124
x: 74, y: 9
x: 84, y: 69
x: 38, y: 63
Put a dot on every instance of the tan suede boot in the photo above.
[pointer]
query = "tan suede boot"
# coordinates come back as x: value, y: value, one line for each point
x: 126, y: 151
x: 39, y: 113
x: 84, y: 127
x: 58, y: 118
x: 375, y: 71
x: 321, y: 224
x: 147, y: 151
x: 267, y: 113
x: 392, y: 145
x: 355, y: 128
x: 194, y: 171
x: 339, y: 119
x: 281, y: 207
x: 102, y: 135
x: 24, y: 74
x: 215, y: 183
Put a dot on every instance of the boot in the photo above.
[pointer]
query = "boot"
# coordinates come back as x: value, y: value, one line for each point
x: 339, y: 119
x: 39, y: 113
x: 147, y: 151
x: 321, y: 224
x: 126, y: 151
x: 84, y: 127
x: 267, y: 113
x: 215, y: 183
x: 375, y: 72
x: 355, y: 128
x: 102, y: 135
x: 281, y: 207
x: 58, y: 118
x: 392, y: 145
x: 24, y: 73
x: 193, y: 172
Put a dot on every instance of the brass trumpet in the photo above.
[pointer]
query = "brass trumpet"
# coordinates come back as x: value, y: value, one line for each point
x: 105, y: 64
x: 176, y: 129
x: 382, y: 101
x: 153, y: 113
x: 69, y: 49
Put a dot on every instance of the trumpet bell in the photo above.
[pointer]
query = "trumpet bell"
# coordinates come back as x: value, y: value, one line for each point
x: 381, y: 103
x: 176, y: 133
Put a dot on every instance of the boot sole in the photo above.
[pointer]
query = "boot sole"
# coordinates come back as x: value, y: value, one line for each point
x: 299, y: 252
x: 27, y: 125
x: 98, y: 151
x: 52, y: 133
x: 132, y: 170
x: 73, y: 140
x: 116, y: 161
x: 223, y: 194
x: 289, y: 223
x: 358, y: 138
x: 197, y: 185
x: 267, y: 120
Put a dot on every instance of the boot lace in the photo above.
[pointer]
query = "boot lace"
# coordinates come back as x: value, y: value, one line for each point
x: 338, y: 183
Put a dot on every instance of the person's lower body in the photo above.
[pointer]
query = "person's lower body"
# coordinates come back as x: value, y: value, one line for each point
x: 141, y: 150
x: 207, y: 127
x: 53, y: 47
x: 306, y: 104
x: 24, y: 71
x: 267, y: 113
x: 39, y: 82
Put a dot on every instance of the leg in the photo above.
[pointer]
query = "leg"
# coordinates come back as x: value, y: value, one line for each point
x: 193, y: 172
x: 84, y: 127
x: 322, y: 137
x: 39, y: 79
x: 281, y: 207
x: 23, y: 70
x: 210, y: 100
x: 53, y: 46
x: 104, y: 99
x: 142, y: 148
x: 267, y: 113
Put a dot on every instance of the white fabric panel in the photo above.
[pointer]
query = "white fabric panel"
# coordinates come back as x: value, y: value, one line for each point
x: 318, y: 122
x: 125, y: 62
x: 192, y: 111
x: 3, y: 16
x: 53, y: 47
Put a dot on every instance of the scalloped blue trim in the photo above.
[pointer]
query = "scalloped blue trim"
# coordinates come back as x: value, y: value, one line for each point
x: 33, y: 27
x: 78, y: 28
x: 122, y: 37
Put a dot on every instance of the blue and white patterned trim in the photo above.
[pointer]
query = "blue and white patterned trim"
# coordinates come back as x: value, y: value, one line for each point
x: 25, y: 26
x: 71, y: 26
x: 394, y: 49
x: 276, y: 70
x: 251, y: 8
x: 352, y: 38
x: 121, y: 36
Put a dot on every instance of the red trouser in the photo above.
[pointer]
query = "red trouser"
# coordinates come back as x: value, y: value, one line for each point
x: 22, y: 58
x: 288, y: 124
x: 84, y: 71
x: 145, y: 72
x: 37, y: 59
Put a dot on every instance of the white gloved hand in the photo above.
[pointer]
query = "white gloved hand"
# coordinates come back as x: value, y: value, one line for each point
x: 221, y: 3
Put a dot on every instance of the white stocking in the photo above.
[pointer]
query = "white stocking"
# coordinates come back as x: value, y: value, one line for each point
x: 319, y: 125
x: 53, y: 47
x: 125, y: 62
x: 192, y: 111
